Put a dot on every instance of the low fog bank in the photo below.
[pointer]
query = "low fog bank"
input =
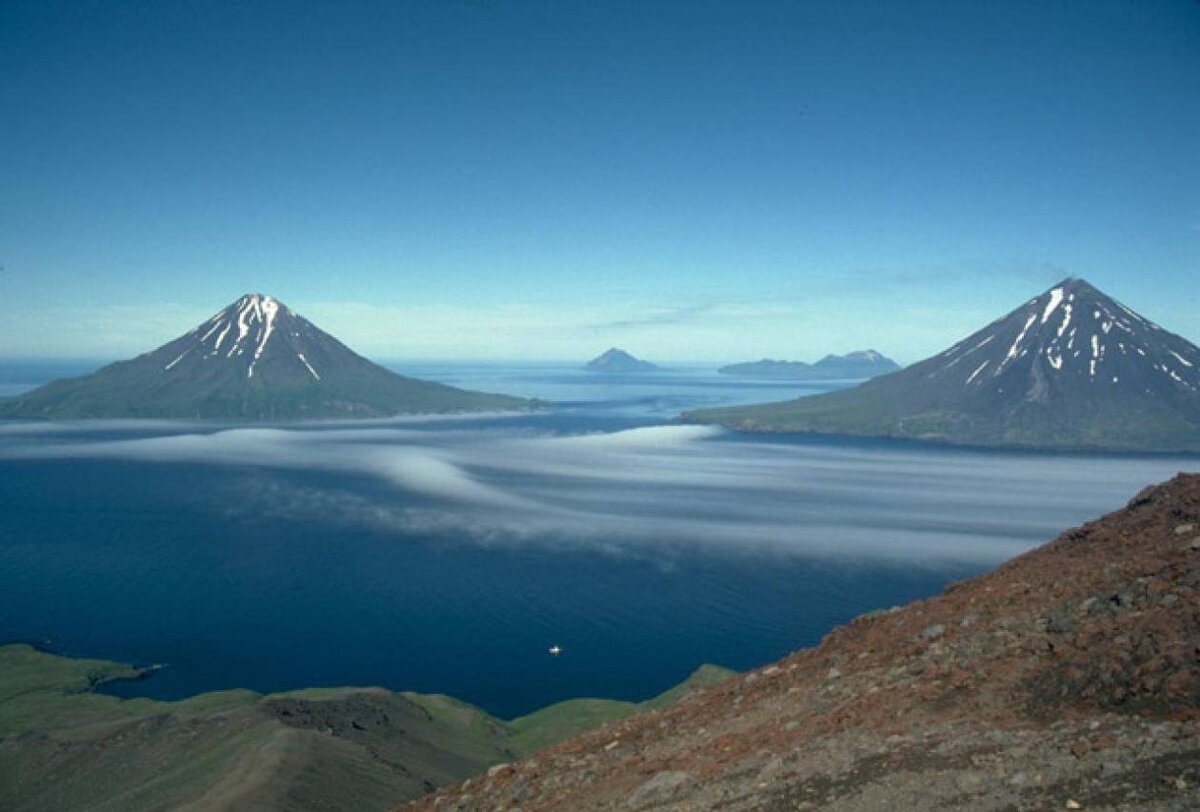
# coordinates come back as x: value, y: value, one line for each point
x: 485, y: 481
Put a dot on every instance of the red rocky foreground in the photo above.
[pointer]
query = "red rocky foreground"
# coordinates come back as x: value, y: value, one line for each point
x: 1069, y: 678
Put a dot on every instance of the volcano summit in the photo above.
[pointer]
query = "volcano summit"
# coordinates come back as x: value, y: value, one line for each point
x: 1071, y: 368
x: 254, y: 360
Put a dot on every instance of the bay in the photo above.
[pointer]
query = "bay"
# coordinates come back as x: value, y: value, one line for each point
x: 448, y: 554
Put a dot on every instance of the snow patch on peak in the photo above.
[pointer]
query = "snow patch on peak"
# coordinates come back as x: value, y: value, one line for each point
x: 216, y: 322
x: 977, y: 371
x: 307, y: 365
x: 1016, y: 345
x: 248, y: 307
x: 221, y: 337
x: 177, y: 359
x: 259, y: 310
x: 1066, y: 320
x: 255, y: 315
x: 268, y: 308
x: 1056, y: 296
x: 254, y: 299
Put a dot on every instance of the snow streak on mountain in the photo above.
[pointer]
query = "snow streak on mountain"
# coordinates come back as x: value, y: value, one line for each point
x: 254, y: 360
x: 1071, y: 368
x: 1072, y: 336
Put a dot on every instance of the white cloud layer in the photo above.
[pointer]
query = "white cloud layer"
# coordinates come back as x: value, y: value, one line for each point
x: 637, y: 491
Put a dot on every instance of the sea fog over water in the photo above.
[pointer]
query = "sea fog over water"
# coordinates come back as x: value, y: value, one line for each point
x: 447, y: 554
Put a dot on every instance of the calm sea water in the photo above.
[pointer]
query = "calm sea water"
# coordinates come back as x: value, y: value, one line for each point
x: 447, y: 555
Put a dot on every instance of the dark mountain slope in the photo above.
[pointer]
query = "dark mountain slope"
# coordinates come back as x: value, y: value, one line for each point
x: 1071, y: 368
x: 253, y: 360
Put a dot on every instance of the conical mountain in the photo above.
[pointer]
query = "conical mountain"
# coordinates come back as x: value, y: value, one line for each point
x: 256, y: 359
x: 1071, y: 368
x: 616, y: 359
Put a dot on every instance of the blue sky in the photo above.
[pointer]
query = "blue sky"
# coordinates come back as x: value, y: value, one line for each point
x: 688, y: 180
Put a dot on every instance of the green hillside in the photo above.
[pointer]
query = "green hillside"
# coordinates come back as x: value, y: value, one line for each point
x: 65, y: 747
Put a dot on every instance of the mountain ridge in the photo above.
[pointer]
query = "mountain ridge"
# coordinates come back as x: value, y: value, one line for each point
x: 860, y: 364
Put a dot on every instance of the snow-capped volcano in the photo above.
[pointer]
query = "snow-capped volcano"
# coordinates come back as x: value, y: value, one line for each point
x: 255, y: 359
x: 256, y: 331
x: 1072, y: 335
x: 1071, y: 368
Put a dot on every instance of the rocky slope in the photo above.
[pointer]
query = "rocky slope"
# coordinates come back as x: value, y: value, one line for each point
x: 1069, y: 678
x: 253, y: 360
x: 1071, y: 368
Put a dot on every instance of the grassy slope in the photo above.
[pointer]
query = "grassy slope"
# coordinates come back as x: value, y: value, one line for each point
x: 64, y: 747
x: 32, y: 685
x: 562, y: 720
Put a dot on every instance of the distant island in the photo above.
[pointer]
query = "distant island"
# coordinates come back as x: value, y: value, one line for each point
x: 253, y: 360
x: 1069, y: 369
x: 851, y: 366
x: 617, y: 360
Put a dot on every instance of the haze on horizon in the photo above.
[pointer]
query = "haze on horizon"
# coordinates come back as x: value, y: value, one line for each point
x: 712, y: 181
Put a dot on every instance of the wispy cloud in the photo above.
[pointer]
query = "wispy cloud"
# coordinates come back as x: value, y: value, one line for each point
x: 676, y: 315
x: 701, y: 312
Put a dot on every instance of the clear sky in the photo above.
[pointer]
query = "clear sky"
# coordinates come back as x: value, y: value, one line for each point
x: 687, y: 180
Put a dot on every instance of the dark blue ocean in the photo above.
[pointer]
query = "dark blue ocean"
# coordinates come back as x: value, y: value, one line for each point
x: 446, y: 555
